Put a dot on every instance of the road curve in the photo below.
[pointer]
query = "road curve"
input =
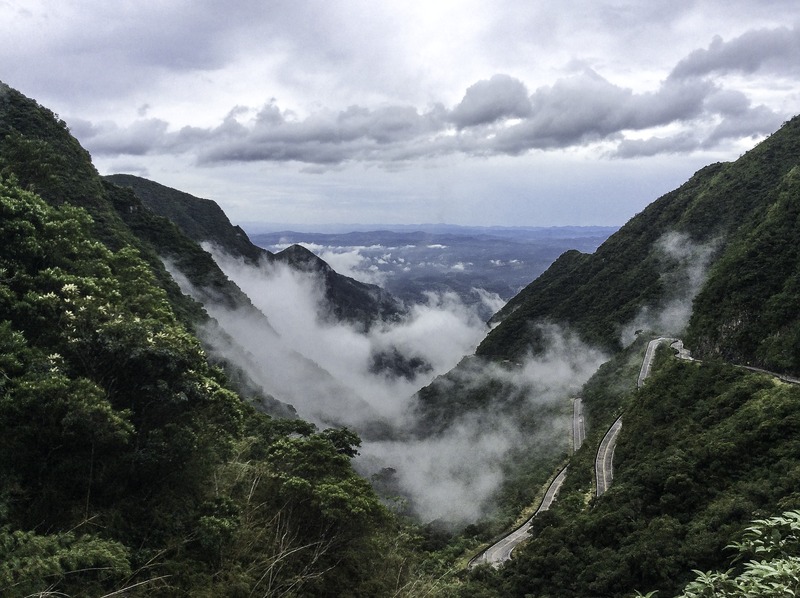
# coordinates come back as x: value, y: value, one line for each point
x: 500, y: 551
x: 604, y: 462
x: 578, y: 426
x: 649, y: 354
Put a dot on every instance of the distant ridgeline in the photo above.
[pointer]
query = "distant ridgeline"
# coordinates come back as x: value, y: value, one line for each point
x: 202, y: 220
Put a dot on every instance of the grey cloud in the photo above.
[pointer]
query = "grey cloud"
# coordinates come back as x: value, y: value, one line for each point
x: 587, y: 107
x: 109, y: 139
x: 491, y: 100
x: 729, y: 102
x: 653, y: 146
x: 495, y: 117
x: 774, y: 50
x: 356, y: 133
x: 730, y: 116
x: 752, y: 123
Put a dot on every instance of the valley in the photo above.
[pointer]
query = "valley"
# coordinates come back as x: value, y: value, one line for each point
x: 185, y: 412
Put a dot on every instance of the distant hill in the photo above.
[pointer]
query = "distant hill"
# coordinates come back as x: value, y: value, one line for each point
x: 469, y: 261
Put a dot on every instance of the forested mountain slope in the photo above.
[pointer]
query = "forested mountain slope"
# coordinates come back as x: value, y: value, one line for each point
x: 199, y: 219
x: 127, y: 463
x: 705, y: 446
x: 740, y: 218
x: 704, y: 449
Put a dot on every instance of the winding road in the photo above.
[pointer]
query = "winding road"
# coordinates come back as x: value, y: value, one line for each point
x: 604, y: 462
x: 650, y: 353
x: 578, y: 426
x: 500, y: 551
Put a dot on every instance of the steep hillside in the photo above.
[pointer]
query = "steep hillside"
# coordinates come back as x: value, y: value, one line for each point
x: 37, y: 149
x: 704, y: 449
x: 202, y: 220
x: 199, y: 219
x: 705, y: 446
x: 359, y: 303
x: 748, y: 310
x: 648, y: 266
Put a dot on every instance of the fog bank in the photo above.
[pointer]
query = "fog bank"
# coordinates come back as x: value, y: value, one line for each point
x: 325, y: 369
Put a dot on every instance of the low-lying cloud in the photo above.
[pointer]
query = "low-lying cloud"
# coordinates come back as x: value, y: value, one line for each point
x: 439, y: 332
x: 454, y: 471
x: 685, y: 267
x: 449, y: 472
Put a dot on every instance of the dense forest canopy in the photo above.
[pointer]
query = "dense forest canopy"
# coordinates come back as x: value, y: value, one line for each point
x: 127, y: 461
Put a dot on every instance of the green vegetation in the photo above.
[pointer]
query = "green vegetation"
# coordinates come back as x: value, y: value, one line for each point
x: 130, y: 464
x: 703, y: 449
x: 773, y: 568
x: 125, y: 460
x: 199, y: 219
x: 746, y: 209
x: 202, y: 220
x: 747, y: 312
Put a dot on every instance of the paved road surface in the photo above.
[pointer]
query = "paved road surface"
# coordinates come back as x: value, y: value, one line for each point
x: 604, y: 462
x: 649, y: 354
x: 578, y: 427
x: 500, y: 551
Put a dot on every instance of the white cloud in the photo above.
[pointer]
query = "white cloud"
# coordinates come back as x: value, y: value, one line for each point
x: 685, y: 265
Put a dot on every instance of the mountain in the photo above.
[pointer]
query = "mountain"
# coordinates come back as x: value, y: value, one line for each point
x: 199, y: 219
x: 129, y: 464
x: 468, y: 261
x: 735, y: 223
x: 356, y: 302
x: 706, y: 446
x: 203, y: 221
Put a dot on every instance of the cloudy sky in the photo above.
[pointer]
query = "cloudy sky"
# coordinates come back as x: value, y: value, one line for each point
x: 510, y: 112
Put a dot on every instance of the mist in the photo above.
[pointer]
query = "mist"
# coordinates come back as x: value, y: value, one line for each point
x: 440, y: 332
x: 453, y: 472
x: 684, y: 266
x: 292, y: 348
